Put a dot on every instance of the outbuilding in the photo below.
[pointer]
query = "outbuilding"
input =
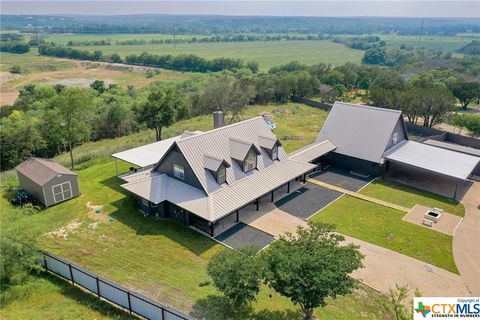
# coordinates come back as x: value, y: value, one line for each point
x: 49, y: 182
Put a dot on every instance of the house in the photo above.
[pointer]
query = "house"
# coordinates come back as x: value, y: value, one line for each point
x: 49, y: 182
x: 204, y: 179
x: 374, y: 141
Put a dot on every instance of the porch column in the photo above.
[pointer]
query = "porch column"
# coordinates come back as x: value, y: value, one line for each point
x: 237, y: 218
x: 456, y: 190
x: 304, y: 178
x: 288, y: 187
x: 272, y: 199
x: 258, y: 203
x: 211, y: 229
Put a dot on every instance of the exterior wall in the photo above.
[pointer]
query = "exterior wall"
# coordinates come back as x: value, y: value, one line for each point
x: 350, y: 163
x: 58, y: 180
x: 32, y: 187
x: 175, y: 156
x: 399, y: 131
x: 224, y: 224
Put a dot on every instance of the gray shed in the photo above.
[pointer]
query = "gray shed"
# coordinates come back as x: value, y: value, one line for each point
x: 49, y: 182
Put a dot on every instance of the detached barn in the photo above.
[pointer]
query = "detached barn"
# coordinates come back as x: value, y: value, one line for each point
x: 49, y: 182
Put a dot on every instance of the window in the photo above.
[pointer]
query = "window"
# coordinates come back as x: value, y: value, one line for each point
x: 221, y: 175
x: 275, y: 152
x: 395, y: 138
x: 178, y: 171
x: 250, y: 162
x: 62, y: 191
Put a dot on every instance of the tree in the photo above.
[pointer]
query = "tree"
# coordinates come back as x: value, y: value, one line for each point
x: 311, y: 266
x: 327, y: 93
x: 434, y: 104
x: 162, y: 109
x: 395, y: 302
x: 465, y: 92
x: 98, y: 85
x: 237, y: 274
x: 75, y: 111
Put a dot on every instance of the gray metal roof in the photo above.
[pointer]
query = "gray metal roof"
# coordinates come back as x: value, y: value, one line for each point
x: 438, y: 160
x: 359, y: 131
x: 313, y: 151
x: 268, y: 142
x: 453, y: 146
x: 159, y: 187
x: 229, y: 142
x: 41, y: 171
x: 148, y: 154
x: 212, y: 163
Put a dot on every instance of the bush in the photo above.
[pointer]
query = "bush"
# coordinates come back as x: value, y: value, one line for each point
x: 16, y: 69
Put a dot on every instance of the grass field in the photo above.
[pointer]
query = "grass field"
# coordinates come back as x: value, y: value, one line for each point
x: 159, y: 258
x: 444, y: 43
x: 384, y: 227
x: 266, y: 54
x: 407, y: 196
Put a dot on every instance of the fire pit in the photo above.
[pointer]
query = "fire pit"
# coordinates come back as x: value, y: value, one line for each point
x: 434, y: 215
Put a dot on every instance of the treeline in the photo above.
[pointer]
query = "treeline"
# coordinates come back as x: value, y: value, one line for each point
x: 184, y: 62
x: 13, y: 43
x: 202, y: 39
x: 472, y: 48
x: 218, y: 25
x: 361, y: 43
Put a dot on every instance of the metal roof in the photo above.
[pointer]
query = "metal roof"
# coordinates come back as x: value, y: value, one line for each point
x: 446, y: 162
x: 268, y: 142
x: 41, y: 171
x: 313, y: 151
x: 359, y: 131
x: 148, y: 154
x: 212, y: 163
x: 229, y: 142
x: 453, y: 146
x: 159, y: 187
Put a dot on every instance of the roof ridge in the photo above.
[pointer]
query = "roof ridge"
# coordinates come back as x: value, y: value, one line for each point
x: 368, y: 107
x: 219, y: 129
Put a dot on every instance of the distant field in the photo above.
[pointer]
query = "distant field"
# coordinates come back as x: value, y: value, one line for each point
x: 266, y: 54
x: 444, y: 43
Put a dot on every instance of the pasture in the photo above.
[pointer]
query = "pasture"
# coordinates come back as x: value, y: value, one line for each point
x: 444, y: 43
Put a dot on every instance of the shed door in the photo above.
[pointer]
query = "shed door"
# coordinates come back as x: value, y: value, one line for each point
x: 62, y: 191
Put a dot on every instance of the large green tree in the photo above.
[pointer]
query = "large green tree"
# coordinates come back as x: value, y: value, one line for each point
x: 161, y: 110
x: 311, y: 266
x: 465, y: 91
x: 75, y: 113
x: 237, y: 274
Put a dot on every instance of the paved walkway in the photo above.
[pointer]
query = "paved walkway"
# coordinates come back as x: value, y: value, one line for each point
x: 359, y: 195
x: 466, y: 240
x: 383, y: 267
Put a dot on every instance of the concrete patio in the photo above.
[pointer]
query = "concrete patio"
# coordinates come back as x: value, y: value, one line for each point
x: 447, y: 223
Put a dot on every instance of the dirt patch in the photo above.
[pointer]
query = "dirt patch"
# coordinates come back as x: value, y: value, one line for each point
x: 7, y: 76
x: 291, y: 138
x: 8, y: 97
x: 96, y: 213
x: 65, y: 231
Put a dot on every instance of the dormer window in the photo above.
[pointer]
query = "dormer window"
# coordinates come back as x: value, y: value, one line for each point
x: 250, y: 162
x: 221, y: 175
x: 275, y: 152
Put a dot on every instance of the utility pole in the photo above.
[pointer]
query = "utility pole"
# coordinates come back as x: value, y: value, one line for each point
x: 265, y: 33
x: 38, y: 43
x: 421, y: 31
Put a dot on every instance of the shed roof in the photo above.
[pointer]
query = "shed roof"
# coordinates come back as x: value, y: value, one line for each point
x: 438, y: 160
x: 453, y: 146
x: 41, y: 171
x: 359, y: 131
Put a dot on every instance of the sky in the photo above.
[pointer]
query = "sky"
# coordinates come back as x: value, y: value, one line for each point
x: 339, y: 8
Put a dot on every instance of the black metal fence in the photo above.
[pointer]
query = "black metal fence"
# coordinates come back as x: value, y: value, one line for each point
x: 312, y: 103
x: 134, y: 302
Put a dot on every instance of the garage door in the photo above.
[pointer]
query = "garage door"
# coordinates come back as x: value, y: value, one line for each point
x: 62, y: 191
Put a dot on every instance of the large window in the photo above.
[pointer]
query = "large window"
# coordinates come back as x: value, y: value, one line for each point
x: 221, y: 175
x: 62, y: 191
x: 275, y: 152
x: 250, y: 162
x: 179, y: 171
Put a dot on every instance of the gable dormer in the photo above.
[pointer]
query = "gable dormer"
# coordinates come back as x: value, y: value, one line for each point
x: 217, y: 167
x: 245, y: 153
x: 270, y: 145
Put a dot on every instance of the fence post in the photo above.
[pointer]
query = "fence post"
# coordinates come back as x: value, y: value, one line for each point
x: 45, y: 262
x: 98, y: 288
x: 71, y: 273
x: 163, y: 313
x: 129, y: 303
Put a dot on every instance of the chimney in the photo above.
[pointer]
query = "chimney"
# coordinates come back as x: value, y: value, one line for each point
x: 218, y: 118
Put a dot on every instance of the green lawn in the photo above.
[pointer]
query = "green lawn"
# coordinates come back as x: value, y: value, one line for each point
x: 266, y: 54
x: 31, y: 62
x: 384, y: 227
x: 407, y: 196
x: 159, y: 258
x: 444, y: 43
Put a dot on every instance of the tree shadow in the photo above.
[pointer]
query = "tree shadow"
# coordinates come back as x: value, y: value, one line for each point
x: 220, y: 308
x: 127, y: 212
x: 76, y: 294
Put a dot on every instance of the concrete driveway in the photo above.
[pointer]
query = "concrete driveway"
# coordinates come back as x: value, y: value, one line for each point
x: 466, y: 240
